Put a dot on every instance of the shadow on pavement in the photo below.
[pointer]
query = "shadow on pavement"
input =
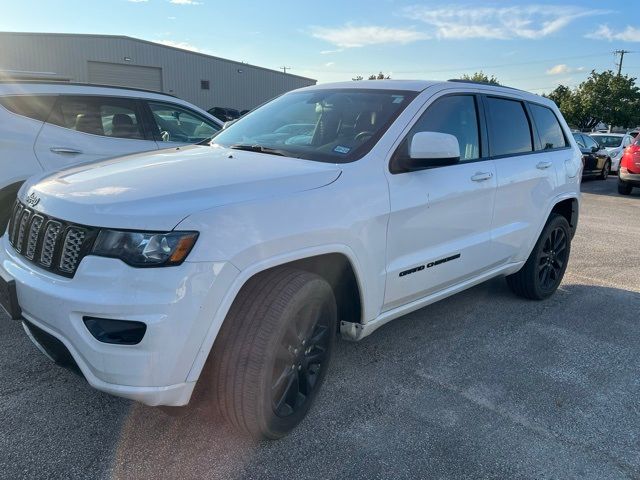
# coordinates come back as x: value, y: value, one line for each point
x: 482, y: 384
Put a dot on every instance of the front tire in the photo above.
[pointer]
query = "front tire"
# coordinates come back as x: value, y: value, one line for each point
x: 273, y: 350
x: 542, y: 273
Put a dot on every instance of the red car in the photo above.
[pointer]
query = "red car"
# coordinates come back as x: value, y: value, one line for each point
x: 629, y: 172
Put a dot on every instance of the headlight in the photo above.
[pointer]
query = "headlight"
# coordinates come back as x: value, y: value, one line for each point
x: 141, y: 249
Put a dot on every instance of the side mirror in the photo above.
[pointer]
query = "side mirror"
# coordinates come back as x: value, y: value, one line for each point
x: 595, y: 149
x: 432, y: 149
x: 229, y: 123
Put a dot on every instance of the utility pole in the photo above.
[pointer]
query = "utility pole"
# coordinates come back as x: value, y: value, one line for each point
x: 284, y: 69
x: 621, y: 53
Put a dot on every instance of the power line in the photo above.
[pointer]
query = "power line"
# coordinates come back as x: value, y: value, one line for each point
x: 284, y: 69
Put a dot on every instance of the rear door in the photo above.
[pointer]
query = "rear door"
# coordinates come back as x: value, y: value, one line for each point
x: 439, y: 231
x: 528, y: 160
x: 85, y: 128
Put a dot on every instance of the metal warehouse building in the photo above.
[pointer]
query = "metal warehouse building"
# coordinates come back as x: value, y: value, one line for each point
x: 201, y: 79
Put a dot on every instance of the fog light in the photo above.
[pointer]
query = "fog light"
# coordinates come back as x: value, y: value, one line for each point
x: 117, y: 332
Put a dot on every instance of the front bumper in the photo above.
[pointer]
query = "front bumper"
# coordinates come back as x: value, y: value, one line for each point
x: 176, y: 303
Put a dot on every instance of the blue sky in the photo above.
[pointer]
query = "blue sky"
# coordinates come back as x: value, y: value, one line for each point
x: 530, y: 45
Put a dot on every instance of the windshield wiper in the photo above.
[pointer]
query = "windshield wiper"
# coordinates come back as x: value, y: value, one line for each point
x: 259, y: 149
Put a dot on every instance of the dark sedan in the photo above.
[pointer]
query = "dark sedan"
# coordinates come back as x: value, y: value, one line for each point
x: 595, y: 159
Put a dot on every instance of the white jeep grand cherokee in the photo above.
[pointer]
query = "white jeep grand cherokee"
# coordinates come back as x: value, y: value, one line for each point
x: 334, y: 208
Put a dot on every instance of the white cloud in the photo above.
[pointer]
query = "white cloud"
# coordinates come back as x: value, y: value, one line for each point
x: 629, y: 34
x: 350, y: 36
x: 562, y: 69
x: 171, y: 18
x: 328, y: 52
x: 183, y: 45
x: 329, y: 64
x: 185, y: 2
x: 502, y: 23
x: 137, y: 1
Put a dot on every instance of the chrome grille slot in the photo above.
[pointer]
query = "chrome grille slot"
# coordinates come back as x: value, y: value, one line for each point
x: 71, y: 247
x: 22, y: 230
x: 49, y: 243
x: 34, y: 235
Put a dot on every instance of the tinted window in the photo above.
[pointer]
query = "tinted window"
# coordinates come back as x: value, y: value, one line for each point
x: 509, y: 130
x: 591, y: 143
x: 179, y: 124
x: 36, y: 107
x: 579, y: 140
x: 455, y: 115
x: 549, y: 129
x: 609, y: 140
x: 104, y: 116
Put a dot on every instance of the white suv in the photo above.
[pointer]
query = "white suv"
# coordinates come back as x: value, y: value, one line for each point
x: 50, y: 126
x: 334, y: 208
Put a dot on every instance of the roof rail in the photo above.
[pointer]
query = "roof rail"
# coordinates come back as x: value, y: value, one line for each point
x: 81, y: 84
x: 475, y: 82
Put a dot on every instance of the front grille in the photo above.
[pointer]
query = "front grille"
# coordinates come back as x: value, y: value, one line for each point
x: 50, y: 243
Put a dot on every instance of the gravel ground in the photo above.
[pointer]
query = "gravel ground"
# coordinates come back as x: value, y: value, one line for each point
x: 481, y: 385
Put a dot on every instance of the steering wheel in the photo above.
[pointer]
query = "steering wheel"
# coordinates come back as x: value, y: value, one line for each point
x: 364, y: 134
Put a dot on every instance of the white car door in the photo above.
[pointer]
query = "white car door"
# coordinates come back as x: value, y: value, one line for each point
x: 85, y: 128
x: 439, y: 230
x: 528, y: 161
x: 176, y: 125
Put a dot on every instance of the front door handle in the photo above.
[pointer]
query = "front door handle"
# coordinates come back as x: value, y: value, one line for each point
x: 543, y: 165
x: 65, y: 150
x: 482, y: 176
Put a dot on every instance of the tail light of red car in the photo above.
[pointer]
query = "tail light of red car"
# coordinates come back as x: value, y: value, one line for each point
x: 631, y: 159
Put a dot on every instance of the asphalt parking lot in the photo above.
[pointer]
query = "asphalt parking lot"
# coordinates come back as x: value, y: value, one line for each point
x: 481, y: 385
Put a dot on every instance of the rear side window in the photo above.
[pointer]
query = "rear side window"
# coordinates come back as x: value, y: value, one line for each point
x: 549, y: 129
x: 104, y: 116
x: 509, y: 129
x: 179, y: 124
x: 37, y: 107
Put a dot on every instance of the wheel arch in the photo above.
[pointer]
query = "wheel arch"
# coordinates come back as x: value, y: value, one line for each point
x: 335, y: 263
x: 569, y: 209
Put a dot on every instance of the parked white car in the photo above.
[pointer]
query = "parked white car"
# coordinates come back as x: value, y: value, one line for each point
x: 50, y: 126
x: 614, y: 144
x: 334, y: 208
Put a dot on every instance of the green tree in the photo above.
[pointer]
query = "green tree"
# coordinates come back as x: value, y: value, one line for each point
x: 481, y: 77
x: 603, y: 97
x: 379, y: 76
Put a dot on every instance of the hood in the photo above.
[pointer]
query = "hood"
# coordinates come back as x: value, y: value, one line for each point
x: 156, y: 190
x: 611, y: 150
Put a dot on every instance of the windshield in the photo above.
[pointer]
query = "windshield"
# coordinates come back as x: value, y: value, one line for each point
x: 608, y: 140
x: 337, y: 126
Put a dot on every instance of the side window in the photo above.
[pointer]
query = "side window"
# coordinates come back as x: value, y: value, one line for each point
x: 456, y: 115
x: 37, y: 107
x: 626, y: 142
x: 509, y: 130
x: 549, y: 129
x: 179, y: 124
x: 104, y: 116
x: 590, y: 142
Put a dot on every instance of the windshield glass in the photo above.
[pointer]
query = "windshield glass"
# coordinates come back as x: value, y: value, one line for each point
x: 337, y: 126
x: 608, y: 140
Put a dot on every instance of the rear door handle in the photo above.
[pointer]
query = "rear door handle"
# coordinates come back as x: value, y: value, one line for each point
x: 481, y: 176
x: 65, y: 150
x: 543, y: 165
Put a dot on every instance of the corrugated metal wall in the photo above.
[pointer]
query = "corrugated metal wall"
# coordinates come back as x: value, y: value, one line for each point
x: 232, y: 84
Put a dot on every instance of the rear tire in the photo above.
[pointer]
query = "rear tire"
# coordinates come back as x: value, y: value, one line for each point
x: 604, y: 174
x: 543, y: 271
x: 273, y: 350
x: 624, y: 188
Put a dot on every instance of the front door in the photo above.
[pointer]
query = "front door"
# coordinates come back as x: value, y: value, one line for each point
x: 440, y: 222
